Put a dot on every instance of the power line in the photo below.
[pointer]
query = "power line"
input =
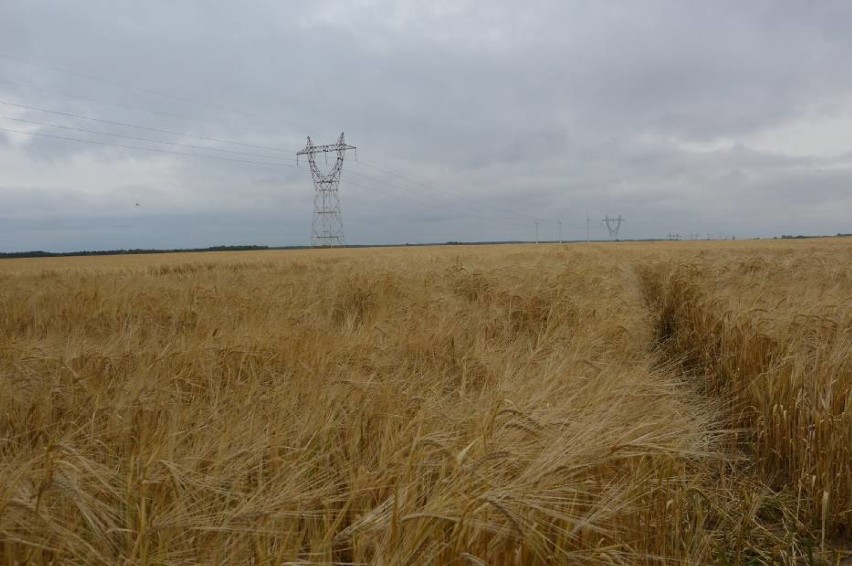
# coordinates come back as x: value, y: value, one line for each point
x: 113, y: 122
x: 129, y: 87
x: 421, y: 198
x: 494, y: 207
x: 184, y: 134
x: 109, y: 103
x: 497, y: 209
x: 146, y: 148
x: 502, y: 222
x: 454, y: 195
x: 361, y: 175
x: 136, y: 138
x: 514, y: 225
x: 518, y: 219
x: 419, y: 201
x: 136, y: 126
x: 420, y: 194
x: 90, y: 77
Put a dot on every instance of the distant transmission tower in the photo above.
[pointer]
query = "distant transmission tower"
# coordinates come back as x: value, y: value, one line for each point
x: 327, y: 227
x: 613, y: 225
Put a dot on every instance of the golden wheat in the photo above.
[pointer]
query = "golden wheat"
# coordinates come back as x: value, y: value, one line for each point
x: 771, y: 333
x: 506, y: 404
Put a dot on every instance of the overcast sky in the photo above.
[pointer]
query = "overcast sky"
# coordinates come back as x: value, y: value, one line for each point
x: 472, y: 119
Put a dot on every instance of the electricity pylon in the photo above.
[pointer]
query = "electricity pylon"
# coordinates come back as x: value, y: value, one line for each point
x: 613, y: 225
x: 327, y: 226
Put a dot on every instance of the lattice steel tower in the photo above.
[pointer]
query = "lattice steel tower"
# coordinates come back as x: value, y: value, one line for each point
x: 327, y: 227
x: 613, y: 225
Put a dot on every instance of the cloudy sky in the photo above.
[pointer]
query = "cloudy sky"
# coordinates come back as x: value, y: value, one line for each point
x: 473, y: 119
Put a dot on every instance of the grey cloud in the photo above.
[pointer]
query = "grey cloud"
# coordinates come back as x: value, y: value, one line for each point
x: 545, y: 110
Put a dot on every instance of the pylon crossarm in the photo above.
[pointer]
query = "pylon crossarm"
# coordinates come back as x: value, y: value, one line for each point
x: 327, y: 148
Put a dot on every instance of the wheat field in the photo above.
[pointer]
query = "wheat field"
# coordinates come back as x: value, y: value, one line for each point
x: 666, y: 403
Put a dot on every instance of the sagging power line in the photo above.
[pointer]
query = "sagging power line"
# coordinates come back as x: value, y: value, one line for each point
x: 155, y: 150
x: 111, y: 82
x: 66, y: 95
x: 135, y: 126
x: 430, y: 198
x: 435, y: 191
x: 124, y: 136
x: 419, y: 198
x: 512, y: 215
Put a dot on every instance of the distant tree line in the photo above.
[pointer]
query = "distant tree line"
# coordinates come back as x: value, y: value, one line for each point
x: 39, y: 253
x: 801, y: 237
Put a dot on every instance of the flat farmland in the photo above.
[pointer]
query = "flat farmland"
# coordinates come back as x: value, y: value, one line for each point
x: 655, y: 403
